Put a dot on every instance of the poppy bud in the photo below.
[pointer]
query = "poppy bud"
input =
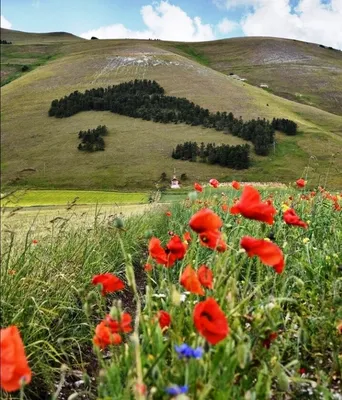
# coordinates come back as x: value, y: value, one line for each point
x: 130, y: 275
x: 148, y: 234
x: 192, y: 196
x: 118, y: 223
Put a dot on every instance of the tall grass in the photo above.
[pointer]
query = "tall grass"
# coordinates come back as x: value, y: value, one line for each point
x: 46, y: 292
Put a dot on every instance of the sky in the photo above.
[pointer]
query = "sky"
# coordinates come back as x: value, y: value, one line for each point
x: 318, y: 21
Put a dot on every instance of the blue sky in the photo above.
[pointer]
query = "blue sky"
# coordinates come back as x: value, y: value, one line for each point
x: 188, y: 20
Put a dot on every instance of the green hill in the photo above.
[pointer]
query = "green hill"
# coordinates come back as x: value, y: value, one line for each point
x: 138, y: 151
x: 303, y: 72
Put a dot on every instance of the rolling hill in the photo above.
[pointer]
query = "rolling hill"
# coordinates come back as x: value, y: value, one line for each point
x: 303, y: 72
x: 138, y: 151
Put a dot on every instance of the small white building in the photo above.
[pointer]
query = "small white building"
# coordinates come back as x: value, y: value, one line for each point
x: 174, y: 183
x: 264, y: 85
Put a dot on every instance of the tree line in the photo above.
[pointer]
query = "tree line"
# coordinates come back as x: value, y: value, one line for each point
x: 92, y: 140
x: 236, y: 157
x: 285, y: 125
x: 145, y: 99
x: 5, y: 42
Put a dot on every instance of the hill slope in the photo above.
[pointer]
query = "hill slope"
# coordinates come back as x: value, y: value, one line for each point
x: 19, y: 37
x: 137, y: 151
x: 304, y: 72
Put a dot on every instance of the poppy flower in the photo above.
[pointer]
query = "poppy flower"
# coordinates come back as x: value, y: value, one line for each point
x: 300, y: 183
x: 236, y: 185
x: 190, y: 281
x: 251, y: 206
x: 175, y: 250
x: 164, y: 319
x: 213, y: 240
x: 210, y: 321
x: 168, y: 213
x: 271, y: 337
x: 224, y: 207
x: 110, y: 283
x: 14, y: 367
x: 205, y: 220
x: 291, y: 218
x: 268, y: 252
x: 148, y: 267
x: 205, y: 276
x: 214, y: 183
x: 198, y: 187
x: 104, y: 336
x: 123, y: 326
x: 34, y: 241
x: 187, y: 237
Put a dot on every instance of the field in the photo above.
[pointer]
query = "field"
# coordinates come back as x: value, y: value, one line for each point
x: 137, y: 151
x: 284, y: 337
x: 22, y: 198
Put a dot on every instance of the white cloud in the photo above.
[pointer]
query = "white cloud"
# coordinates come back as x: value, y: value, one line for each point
x: 163, y: 21
x: 226, y: 26
x: 310, y: 20
x: 5, y: 23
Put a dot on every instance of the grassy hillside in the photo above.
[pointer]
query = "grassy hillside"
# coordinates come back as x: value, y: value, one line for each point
x: 137, y: 151
x: 299, y: 71
x: 29, y: 49
x: 19, y: 37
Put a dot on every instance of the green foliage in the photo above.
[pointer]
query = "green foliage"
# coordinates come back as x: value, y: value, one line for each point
x: 236, y: 157
x: 92, y: 140
x: 46, y: 292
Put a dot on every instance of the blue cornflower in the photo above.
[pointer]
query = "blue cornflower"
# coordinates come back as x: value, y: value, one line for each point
x: 175, y: 390
x: 186, y: 351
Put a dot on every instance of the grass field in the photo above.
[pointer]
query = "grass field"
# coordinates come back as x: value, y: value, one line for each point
x: 23, y: 198
x: 284, y: 338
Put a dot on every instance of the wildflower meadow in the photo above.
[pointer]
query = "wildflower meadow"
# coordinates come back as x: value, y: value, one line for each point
x: 233, y: 293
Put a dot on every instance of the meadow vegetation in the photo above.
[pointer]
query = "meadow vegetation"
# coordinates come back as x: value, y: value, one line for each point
x: 284, y: 333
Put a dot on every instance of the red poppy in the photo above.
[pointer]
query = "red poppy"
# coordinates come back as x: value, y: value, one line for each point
x: 302, y: 371
x: 205, y: 276
x: 124, y: 325
x: 14, y: 368
x: 337, y: 207
x: 187, y: 237
x: 157, y: 252
x: 291, y: 218
x: 224, y: 207
x: 198, y: 187
x: 210, y: 321
x: 34, y: 241
x: 164, y: 319
x: 268, y: 252
x: 205, y: 220
x: 271, y: 337
x: 213, y: 240
x: 175, y: 250
x: 300, y: 183
x: 148, y: 267
x: 190, y: 281
x: 104, y: 336
x: 250, y: 206
x: 168, y: 213
x: 236, y: 185
x: 110, y: 283
x: 214, y: 183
